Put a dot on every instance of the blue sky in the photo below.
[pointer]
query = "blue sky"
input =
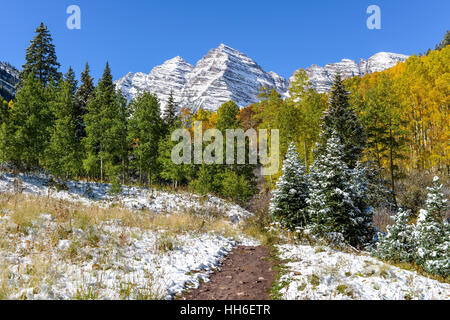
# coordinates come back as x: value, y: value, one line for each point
x: 280, y: 35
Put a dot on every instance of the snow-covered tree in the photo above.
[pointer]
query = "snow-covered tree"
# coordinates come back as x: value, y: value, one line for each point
x: 433, y: 233
x: 398, y: 243
x: 332, y: 202
x: 360, y: 189
x: 289, y: 198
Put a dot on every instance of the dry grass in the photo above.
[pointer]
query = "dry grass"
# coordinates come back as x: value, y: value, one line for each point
x: 25, y: 232
x: 27, y: 209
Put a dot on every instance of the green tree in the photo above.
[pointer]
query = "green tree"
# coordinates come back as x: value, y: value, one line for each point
x: 341, y: 118
x: 334, y: 204
x: 145, y: 131
x: 227, y: 116
x: 70, y: 78
x: 383, y: 120
x: 63, y: 157
x: 445, y: 42
x: 31, y: 121
x: 170, y: 113
x: 41, y: 60
x: 288, y: 202
x: 307, y: 107
x: 82, y: 96
x: 106, y: 131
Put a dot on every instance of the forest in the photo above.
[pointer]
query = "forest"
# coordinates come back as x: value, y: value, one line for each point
x: 381, y: 138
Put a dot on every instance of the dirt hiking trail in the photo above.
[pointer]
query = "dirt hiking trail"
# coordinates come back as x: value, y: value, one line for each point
x: 245, y: 274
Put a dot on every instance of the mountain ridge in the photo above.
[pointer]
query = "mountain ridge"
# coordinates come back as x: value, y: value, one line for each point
x: 225, y: 74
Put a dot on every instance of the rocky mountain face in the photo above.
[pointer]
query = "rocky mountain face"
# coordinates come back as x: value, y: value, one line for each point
x: 223, y: 74
x: 226, y: 74
x: 9, y: 76
x: 322, y: 77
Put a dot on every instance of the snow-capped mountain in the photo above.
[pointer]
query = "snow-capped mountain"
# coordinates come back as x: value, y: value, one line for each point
x: 171, y: 75
x: 226, y: 74
x: 223, y: 74
x: 322, y: 77
x: 9, y: 76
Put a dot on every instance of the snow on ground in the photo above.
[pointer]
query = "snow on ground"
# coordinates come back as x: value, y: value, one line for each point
x: 146, y: 265
x: 109, y: 259
x: 131, y: 197
x: 321, y: 273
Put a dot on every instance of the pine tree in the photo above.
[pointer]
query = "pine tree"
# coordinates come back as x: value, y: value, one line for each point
x: 82, y: 96
x: 332, y: 203
x: 288, y: 202
x: 398, y: 244
x: 433, y: 233
x: 62, y: 155
x: 340, y: 117
x: 41, y: 60
x: 170, y: 113
x: 145, y: 131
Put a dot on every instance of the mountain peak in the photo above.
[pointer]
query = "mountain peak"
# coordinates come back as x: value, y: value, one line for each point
x: 322, y: 77
x: 223, y: 74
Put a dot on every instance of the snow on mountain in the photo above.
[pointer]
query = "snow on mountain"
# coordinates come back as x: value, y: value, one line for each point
x: 171, y: 75
x: 9, y: 76
x: 223, y: 74
x: 226, y: 74
x: 322, y: 77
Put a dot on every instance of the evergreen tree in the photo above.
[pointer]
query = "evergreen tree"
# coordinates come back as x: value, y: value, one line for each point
x: 70, y: 78
x: 62, y: 155
x: 433, y: 233
x: 145, y: 131
x: 445, y: 42
x: 398, y: 244
x: 333, y: 202
x: 82, y: 96
x: 361, y: 187
x: 288, y: 202
x: 31, y: 121
x: 340, y: 117
x: 41, y: 60
x: 170, y: 171
x: 170, y: 113
x: 106, y: 130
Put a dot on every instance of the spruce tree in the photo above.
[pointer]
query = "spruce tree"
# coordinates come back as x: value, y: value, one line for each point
x: 106, y: 131
x: 31, y: 120
x: 96, y: 123
x: 63, y: 158
x: 82, y: 96
x: 170, y: 171
x: 445, y: 42
x: 70, y: 78
x: 145, y: 131
x: 41, y: 60
x: 433, y: 233
x: 398, y: 243
x: 170, y: 113
x: 340, y: 117
x: 332, y: 203
x: 361, y: 187
x: 288, y: 202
